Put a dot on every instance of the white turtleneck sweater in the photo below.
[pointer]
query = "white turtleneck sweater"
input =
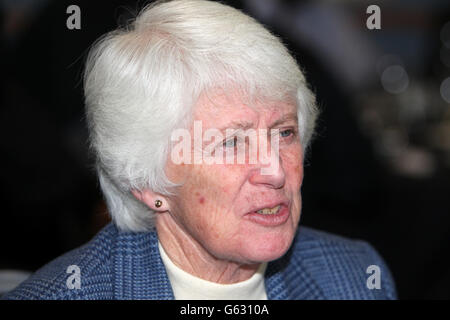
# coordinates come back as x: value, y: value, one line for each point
x: 185, y: 286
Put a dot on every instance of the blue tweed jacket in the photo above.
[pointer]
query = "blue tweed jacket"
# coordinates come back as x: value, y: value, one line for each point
x: 120, y: 265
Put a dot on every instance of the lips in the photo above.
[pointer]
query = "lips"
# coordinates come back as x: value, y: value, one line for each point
x: 269, y: 206
x: 269, y: 210
x: 267, y: 217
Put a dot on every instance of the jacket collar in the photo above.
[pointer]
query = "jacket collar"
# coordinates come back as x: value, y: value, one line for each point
x: 288, y: 278
x: 139, y: 273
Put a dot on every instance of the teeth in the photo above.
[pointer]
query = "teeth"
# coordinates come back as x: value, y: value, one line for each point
x: 268, y: 210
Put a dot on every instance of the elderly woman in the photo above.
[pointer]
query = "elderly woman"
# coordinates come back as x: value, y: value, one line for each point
x: 182, y: 107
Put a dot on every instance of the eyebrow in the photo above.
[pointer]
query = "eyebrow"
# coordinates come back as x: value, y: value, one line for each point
x: 244, y: 125
x: 285, y: 118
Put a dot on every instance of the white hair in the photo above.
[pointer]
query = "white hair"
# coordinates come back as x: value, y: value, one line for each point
x: 142, y: 81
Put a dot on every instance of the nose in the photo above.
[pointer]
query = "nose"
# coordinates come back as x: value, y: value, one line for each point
x: 269, y: 171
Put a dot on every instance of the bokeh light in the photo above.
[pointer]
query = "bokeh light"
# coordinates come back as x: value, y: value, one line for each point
x: 445, y: 34
x: 394, y: 79
x: 445, y: 90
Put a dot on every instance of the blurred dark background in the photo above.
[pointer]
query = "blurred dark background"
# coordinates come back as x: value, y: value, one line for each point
x: 378, y: 169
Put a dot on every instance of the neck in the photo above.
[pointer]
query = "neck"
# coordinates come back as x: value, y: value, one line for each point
x: 191, y: 256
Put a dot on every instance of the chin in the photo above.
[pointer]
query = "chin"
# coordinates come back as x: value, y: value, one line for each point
x: 268, y: 247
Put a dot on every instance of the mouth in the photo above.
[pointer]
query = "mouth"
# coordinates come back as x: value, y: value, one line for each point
x: 273, y: 210
x: 270, y: 215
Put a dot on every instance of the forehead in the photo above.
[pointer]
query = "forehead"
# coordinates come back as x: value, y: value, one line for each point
x: 219, y: 107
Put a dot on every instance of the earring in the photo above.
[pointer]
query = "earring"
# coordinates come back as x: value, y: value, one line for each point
x: 158, y: 203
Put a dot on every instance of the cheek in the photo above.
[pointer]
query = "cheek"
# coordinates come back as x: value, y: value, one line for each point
x: 219, y: 184
x: 200, y: 198
x: 212, y: 198
x: 298, y: 172
x: 293, y: 166
x: 205, y: 197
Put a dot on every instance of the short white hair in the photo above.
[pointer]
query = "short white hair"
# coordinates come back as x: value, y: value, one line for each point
x: 142, y: 81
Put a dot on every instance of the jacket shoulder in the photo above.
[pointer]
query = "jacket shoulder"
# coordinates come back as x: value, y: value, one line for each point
x: 83, y: 273
x: 343, y: 268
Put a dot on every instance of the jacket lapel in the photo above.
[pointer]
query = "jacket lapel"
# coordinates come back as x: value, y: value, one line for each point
x: 139, y: 272
x: 288, y: 279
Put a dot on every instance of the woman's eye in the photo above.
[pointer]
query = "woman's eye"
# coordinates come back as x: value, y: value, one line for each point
x: 286, y: 133
x: 230, y: 143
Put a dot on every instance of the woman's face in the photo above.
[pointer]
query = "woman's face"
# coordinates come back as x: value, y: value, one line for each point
x: 217, y: 203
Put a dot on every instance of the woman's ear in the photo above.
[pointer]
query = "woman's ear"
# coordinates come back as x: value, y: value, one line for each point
x: 152, y: 200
